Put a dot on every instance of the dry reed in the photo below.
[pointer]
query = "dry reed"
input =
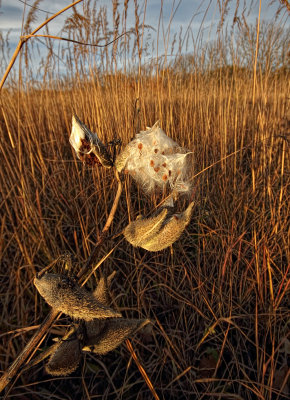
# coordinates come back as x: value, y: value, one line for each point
x: 220, y: 296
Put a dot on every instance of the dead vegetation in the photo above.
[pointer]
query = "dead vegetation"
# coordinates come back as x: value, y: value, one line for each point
x: 220, y: 296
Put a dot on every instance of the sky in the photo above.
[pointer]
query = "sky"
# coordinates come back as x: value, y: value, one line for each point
x: 187, y: 13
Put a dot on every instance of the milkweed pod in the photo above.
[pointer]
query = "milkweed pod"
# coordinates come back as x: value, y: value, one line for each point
x: 170, y: 231
x: 65, y: 359
x: 103, y: 295
x: 154, y: 161
x: 143, y: 229
x: 114, y: 332
x: 102, y: 291
x: 122, y: 158
x: 87, y: 145
x: 64, y: 294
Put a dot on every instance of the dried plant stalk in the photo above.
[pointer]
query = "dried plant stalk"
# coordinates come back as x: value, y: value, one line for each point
x: 24, y: 39
x: 34, y: 341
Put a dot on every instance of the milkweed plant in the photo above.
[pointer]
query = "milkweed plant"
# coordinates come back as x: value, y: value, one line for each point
x: 156, y: 163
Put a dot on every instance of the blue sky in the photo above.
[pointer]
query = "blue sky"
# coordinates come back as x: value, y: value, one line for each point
x: 189, y: 13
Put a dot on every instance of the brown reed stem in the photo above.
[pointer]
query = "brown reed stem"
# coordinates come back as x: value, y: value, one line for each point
x: 25, y: 353
x: 142, y: 370
x: 34, y: 341
x: 24, y: 39
x: 93, y: 256
x: 256, y: 53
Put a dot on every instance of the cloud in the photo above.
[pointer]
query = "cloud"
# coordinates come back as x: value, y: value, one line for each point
x: 188, y: 16
x: 11, y: 15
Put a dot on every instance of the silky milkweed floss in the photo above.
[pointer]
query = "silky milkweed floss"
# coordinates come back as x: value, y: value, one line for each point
x: 155, y: 161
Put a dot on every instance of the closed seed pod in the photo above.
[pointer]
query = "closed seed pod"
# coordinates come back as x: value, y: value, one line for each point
x: 160, y: 232
x: 65, y: 359
x: 113, y: 333
x: 65, y: 295
x: 102, y: 292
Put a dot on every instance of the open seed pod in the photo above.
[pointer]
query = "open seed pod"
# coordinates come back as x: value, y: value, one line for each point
x: 160, y: 232
x: 88, y: 146
x: 155, y: 161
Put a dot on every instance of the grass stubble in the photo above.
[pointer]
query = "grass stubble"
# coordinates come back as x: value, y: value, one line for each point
x: 220, y: 296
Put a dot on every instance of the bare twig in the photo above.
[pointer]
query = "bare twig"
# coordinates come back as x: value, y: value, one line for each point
x: 34, y: 341
x: 26, y: 37
x: 23, y: 40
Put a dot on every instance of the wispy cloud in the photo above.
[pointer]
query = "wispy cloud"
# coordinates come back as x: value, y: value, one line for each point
x: 188, y: 15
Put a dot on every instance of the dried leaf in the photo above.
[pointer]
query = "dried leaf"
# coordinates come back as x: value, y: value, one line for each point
x: 280, y: 381
x: 207, y: 366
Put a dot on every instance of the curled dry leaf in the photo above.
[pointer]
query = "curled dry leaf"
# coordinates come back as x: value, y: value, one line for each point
x: 282, y: 379
x: 162, y: 234
x: 208, y: 363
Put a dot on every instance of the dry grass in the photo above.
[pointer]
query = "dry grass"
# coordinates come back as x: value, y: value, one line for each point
x: 221, y: 291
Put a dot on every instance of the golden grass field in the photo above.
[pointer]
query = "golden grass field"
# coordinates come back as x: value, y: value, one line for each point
x: 219, y: 297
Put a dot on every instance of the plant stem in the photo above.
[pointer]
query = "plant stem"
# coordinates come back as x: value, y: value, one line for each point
x: 34, y: 341
x: 24, y: 39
